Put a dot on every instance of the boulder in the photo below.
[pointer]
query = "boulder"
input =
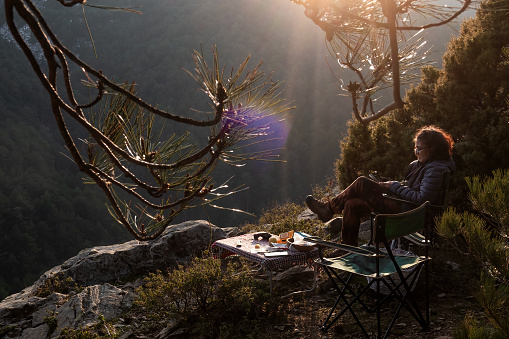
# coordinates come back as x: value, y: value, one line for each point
x: 365, y: 232
x: 95, y: 270
x: 334, y: 226
x: 295, y: 274
x: 84, y: 309
x: 113, y: 263
x: 307, y: 214
x: 91, y: 305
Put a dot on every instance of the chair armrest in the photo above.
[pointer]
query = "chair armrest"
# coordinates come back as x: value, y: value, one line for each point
x: 348, y: 248
x: 386, y: 196
x: 418, y: 239
x: 411, y: 202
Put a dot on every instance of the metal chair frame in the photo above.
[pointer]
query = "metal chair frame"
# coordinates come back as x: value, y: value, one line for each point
x: 360, y: 262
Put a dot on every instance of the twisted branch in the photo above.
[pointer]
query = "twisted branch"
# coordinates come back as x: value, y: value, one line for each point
x: 118, y: 139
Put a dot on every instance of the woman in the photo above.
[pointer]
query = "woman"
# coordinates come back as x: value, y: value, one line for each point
x: 433, y: 148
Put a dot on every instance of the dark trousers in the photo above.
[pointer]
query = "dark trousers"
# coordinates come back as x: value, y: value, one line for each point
x: 358, y: 200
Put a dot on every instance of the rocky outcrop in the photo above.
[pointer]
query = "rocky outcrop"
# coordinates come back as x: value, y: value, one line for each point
x: 26, y: 315
x: 113, y: 263
x: 39, y: 317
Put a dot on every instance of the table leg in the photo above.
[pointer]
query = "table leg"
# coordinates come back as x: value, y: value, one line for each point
x: 269, y: 273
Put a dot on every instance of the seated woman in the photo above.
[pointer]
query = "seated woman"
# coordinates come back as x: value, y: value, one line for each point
x: 433, y: 148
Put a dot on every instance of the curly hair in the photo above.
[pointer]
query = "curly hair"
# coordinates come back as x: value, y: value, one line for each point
x: 439, y: 142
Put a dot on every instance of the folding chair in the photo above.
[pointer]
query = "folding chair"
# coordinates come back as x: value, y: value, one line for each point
x: 383, y: 266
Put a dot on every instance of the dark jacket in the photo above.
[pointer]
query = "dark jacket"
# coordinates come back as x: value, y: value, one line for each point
x: 423, y: 181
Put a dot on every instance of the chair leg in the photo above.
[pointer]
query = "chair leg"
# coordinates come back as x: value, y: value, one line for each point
x: 325, y: 327
x: 348, y: 304
x: 378, y: 304
x: 401, y: 290
x: 426, y: 291
x: 407, y: 299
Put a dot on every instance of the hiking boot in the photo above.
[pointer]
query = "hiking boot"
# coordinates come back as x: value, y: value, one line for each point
x: 320, y: 208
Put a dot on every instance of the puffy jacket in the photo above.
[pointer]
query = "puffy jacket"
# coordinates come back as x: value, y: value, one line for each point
x: 423, y: 181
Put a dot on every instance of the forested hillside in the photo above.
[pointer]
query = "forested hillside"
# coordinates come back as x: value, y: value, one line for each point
x: 48, y: 215
x: 44, y: 205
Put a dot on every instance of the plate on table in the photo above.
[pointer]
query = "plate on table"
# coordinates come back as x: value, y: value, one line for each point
x: 302, y: 246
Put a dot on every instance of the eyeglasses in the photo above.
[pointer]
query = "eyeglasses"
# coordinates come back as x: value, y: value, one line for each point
x: 417, y: 150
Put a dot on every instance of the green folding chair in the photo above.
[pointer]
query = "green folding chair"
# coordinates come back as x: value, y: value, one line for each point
x: 398, y: 273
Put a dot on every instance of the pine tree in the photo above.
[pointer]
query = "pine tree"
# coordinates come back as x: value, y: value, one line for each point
x: 467, y: 98
x: 486, y: 233
x: 379, y: 43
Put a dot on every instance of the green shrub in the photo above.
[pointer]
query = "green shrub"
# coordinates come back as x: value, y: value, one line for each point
x: 494, y: 298
x: 207, y: 296
x: 57, y: 284
x: 100, y: 330
x: 5, y: 329
x: 80, y: 333
x: 486, y: 242
x: 471, y: 329
x: 485, y: 236
x: 51, y: 321
x: 490, y: 197
x: 281, y: 218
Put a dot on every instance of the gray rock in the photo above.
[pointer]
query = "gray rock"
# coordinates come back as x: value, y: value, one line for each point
x: 95, y: 269
x: 175, y: 246
x: 334, y: 226
x: 232, y: 231
x: 365, y: 231
x: 48, y: 308
x: 36, y: 332
x: 21, y: 307
x: 295, y: 273
x: 166, y: 332
x: 127, y: 335
x: 93, y: 303
x: 307, y: 215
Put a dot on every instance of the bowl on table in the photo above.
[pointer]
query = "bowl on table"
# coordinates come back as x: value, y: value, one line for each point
x: 300, y: 245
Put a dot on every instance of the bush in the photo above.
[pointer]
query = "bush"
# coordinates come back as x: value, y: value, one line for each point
x: 485, y: 233
x: 281, y: 218
x: 471, y: 329
x: 207, y: 298
x: 57, y: 283
x: 80, y: 333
